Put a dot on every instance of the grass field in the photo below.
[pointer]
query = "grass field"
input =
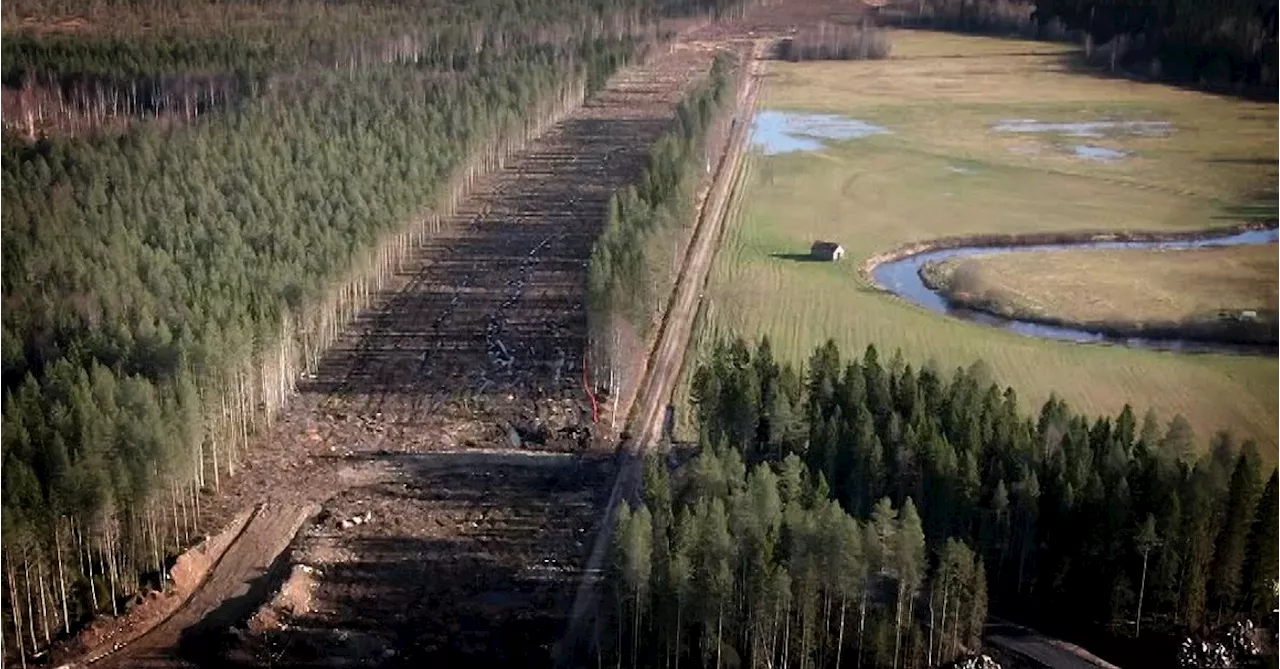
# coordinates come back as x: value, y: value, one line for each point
x: 1122, y: 286
x: 942, y: 170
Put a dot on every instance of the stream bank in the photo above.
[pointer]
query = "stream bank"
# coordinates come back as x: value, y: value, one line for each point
x: 902, y: 272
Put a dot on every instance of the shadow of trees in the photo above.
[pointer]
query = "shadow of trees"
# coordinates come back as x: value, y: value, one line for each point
x: 471, y: 561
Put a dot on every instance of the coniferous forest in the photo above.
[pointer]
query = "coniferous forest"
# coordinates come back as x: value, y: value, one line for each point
x: 1227, y: 45
x: 634, y: 263
x: 861, y: 512
x: 1206, y: 41
x: 233, y: 188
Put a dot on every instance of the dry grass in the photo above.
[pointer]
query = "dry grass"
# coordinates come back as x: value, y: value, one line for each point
x: 942, y: 171
x: 1126, y: 286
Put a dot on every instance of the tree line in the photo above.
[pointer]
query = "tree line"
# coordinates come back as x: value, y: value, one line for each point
x: 836, y: 41
x: 1114, y: 529
x: 165, y: 287
x: 1229, y: 44
x: 721, y: 565
x: 142, y: 38
x: 635, y: 260
x: 138, y: 39
x: 993, y: 17
x: 68, y: 82
x: 1213, y: 41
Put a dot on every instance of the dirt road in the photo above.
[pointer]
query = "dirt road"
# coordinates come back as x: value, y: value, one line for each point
x: 1041, y: 650
x: 225, y: 597
x: 664, y: 365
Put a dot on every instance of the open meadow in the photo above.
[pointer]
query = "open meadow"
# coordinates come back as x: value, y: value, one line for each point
x: 964, y: 135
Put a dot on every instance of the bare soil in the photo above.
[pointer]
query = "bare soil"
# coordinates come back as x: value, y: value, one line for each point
x: 189, y: 571
x: 293, y: 599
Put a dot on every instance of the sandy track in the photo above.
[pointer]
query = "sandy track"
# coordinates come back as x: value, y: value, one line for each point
x: 665, y: 363
x: 668, y: 357
x: 224, y: 598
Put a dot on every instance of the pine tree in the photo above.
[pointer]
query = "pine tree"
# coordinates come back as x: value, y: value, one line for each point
x: 712, y: 569
x: 1200, y: 533
x: 849, y: 570
x: 909, y: 564
x: 622, y: 568
x: 977, y: 602
x: 681, y: 574
x: 1178, y: 439
x: 638, y: 570
x: 1146, y: 540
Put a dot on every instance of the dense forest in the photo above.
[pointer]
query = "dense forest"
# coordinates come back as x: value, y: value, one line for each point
x: 184, y: 59
x: 1221, y: 44
x: 163, y: 287
x: 1230, y: 42
x: 869, y: 494
x: 635, y: 261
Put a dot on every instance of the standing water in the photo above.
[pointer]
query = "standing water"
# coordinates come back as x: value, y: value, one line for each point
x: 785, y: 132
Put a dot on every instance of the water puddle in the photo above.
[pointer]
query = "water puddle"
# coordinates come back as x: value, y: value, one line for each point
x: 784, y: 132
x: 1088, y: 128
x: 1084, y: 151
x: 1099, y: 153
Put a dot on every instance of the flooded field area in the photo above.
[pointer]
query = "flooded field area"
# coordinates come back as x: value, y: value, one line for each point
x: 776, y: 132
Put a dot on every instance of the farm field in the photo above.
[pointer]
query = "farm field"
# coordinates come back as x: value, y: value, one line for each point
x: 964, y: 136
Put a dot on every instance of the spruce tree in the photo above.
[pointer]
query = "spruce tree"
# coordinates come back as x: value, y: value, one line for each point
x: 1233, y: 536
x: 1260, y: 587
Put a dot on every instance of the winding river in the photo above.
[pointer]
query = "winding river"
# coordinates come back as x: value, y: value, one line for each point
x: 901, y: 276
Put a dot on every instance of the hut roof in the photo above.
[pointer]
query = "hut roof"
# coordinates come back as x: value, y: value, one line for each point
x: 827, y: 247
